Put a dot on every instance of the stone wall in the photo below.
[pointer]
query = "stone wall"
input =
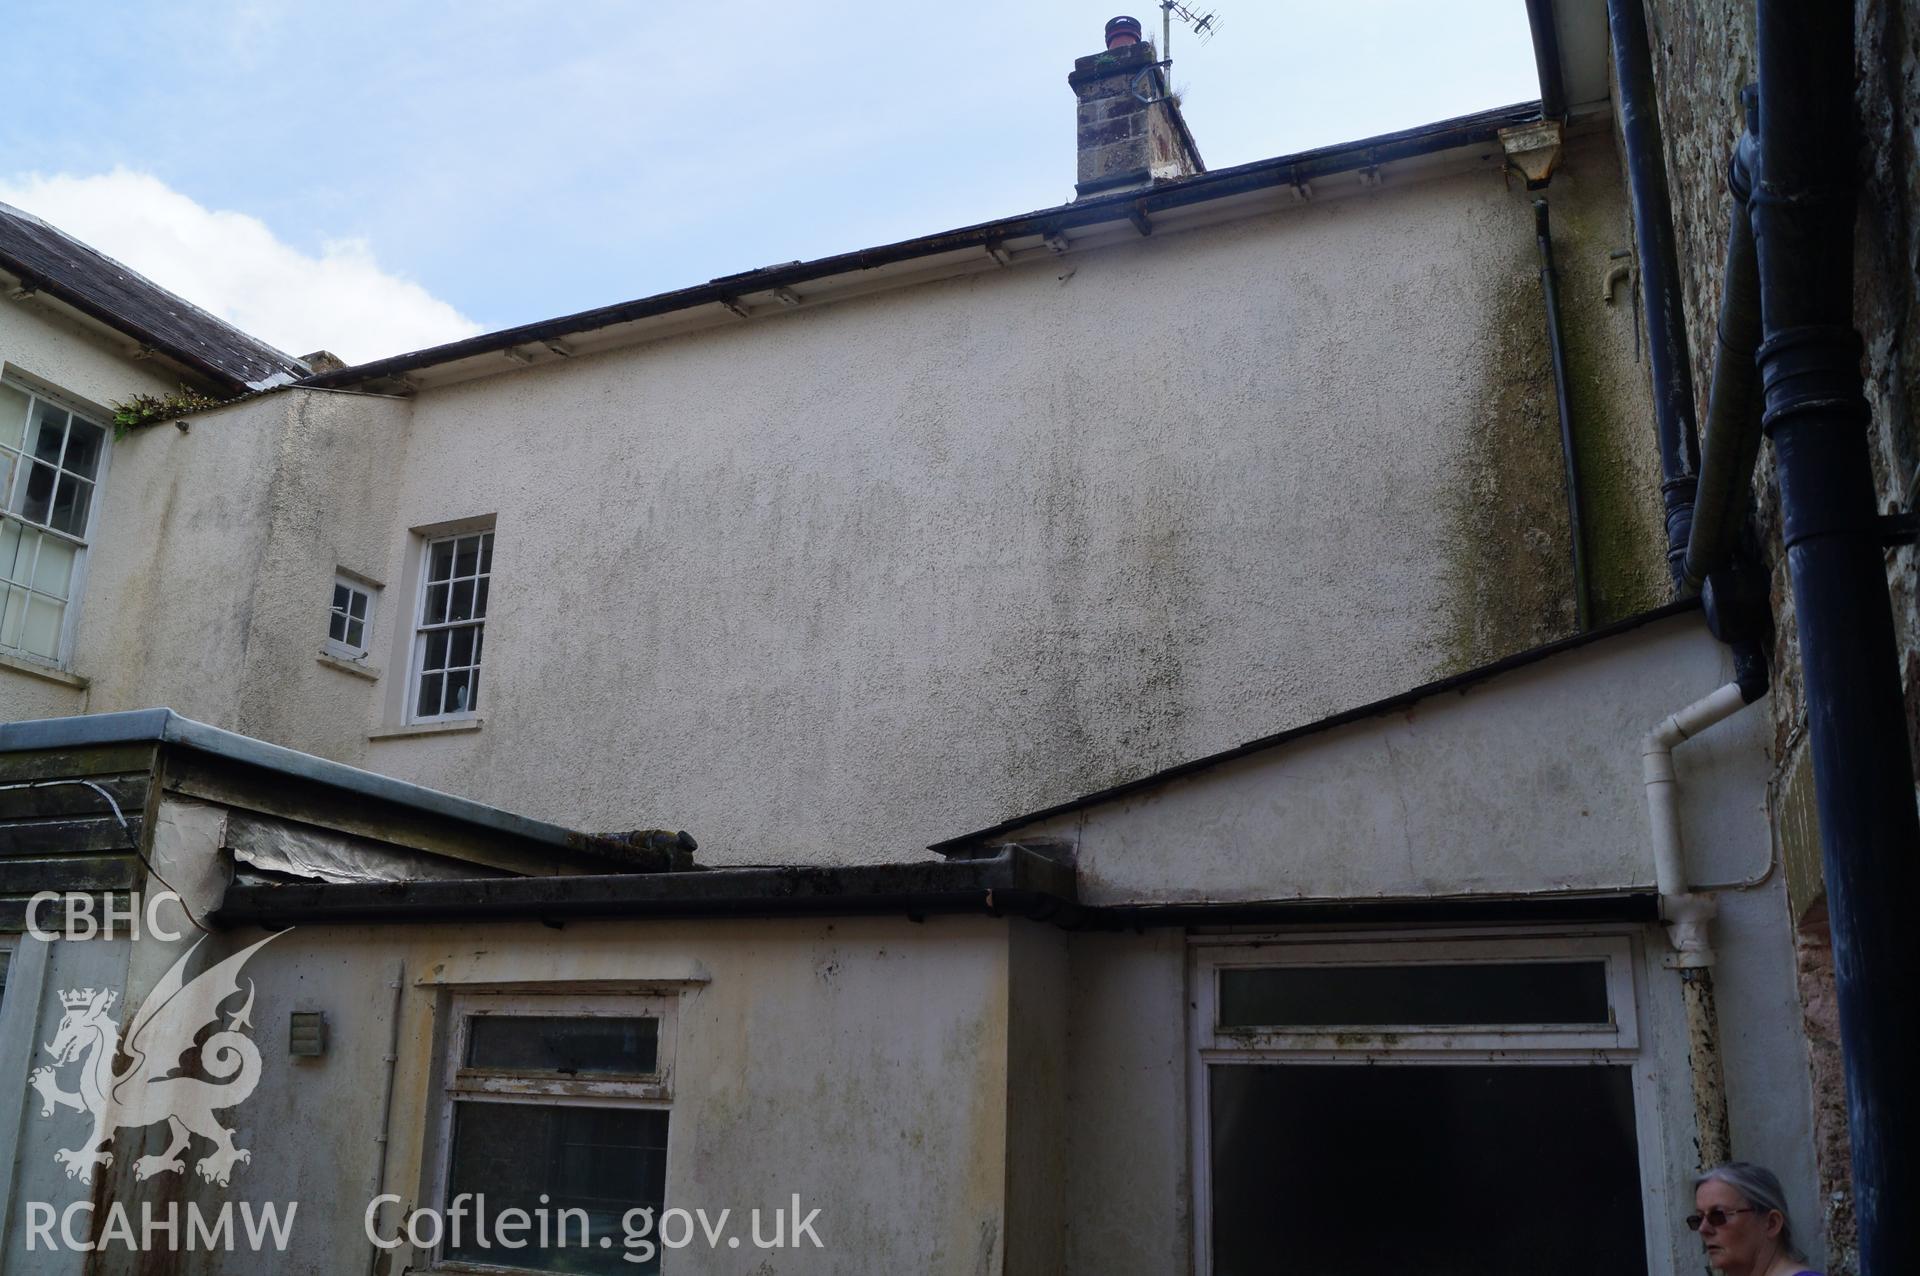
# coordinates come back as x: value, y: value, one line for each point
x: 1704, y: 52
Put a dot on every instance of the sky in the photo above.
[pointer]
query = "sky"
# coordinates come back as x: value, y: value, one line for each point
x: 372, y: 178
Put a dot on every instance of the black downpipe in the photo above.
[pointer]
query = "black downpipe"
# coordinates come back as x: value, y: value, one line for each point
x: 1550, y: 291
x: 1546, y: 57
x: 1673, y: 411
x: 1731, y: 441
x: 1816, y: 415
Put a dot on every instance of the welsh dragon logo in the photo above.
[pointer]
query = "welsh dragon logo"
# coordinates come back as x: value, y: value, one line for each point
x: 147, y: 1089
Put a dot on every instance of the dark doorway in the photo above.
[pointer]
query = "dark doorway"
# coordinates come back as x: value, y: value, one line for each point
x: 1444, y: 1170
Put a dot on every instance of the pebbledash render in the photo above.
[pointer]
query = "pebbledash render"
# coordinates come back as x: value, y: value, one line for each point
x: 1155, y: 783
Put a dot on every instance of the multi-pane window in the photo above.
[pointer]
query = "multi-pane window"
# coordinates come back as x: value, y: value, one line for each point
x: 50, y: 460
x: 349, y: 618
x: 1447, y: 1051
x: 561, y: 1106
x: 452, y: 626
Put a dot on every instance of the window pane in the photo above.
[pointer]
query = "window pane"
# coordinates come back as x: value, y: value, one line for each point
x: 13, y: 417
x: 1413, y: 1168
x: 336, y: 627
x: 486, y: 552
x: 442, y: 560
x: 339, y: 598
x: 479, y: 642
x: 13, y: 618
x: 70, y: 503
x: 604, y: 1161
x: 436, y: 604
x: 37, y: 500
x: 9, y: 469
x: 480, y: 600
x: 84, y: 441
x: 460, y: 649
x: 473, y: 692
x: 42, y: 633
x: 457, y: 701
x: 356, y: 633
x: 551, y: 1043
x: 461, y: 608
x: 1490, y: 993
x: 466, y: 555
x: 356, y: 604
x: 54, y: 568
x: 50, y: 431
x: 429, y: 703
x: 436, y: 654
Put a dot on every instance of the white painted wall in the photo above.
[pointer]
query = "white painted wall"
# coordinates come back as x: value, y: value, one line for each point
x: 839, y: 583
x: 1527, y: 782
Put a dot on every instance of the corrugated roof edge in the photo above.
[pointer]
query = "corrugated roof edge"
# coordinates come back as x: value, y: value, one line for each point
x: 1465, y: 130
x: 164, y: 726
x: 971, y: 843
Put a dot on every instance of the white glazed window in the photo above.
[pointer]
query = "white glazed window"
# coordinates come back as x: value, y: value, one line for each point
x: 1460, y: 1055
x: 349, y: 619
x: 559, y: 1104
x: 450, y: 629
x: 51, y: 462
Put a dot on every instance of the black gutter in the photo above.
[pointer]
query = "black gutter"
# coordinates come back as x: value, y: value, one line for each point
x: 1563, y: 403
x: 1673, y: 409
x: 1546, y: 56
x: 1730, y: 444
x: 968, y: 843
x: 146, y: 337
x: 1016, y: 882
x: 1286, y: 170
x: 1817, y: 416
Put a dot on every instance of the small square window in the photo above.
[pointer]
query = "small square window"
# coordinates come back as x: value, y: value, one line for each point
x: 349, y: 619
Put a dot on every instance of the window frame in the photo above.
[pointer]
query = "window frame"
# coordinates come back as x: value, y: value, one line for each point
x: 418, y: 635
x: 35, y: 390
x: 338, y: 648
x: 455, y: 1083
x: 1522, y: 1045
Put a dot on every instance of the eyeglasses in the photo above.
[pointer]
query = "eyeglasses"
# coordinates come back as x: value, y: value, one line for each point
x: 1717, y: 1216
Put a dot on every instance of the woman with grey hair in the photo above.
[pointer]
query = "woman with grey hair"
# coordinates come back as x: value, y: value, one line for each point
x: 1740, y: 1211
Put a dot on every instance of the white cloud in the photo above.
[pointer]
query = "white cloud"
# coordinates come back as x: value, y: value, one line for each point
x: 234, y: 266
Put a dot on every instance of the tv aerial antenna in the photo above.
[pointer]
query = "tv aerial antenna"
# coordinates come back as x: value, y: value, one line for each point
x: 1204, y: 24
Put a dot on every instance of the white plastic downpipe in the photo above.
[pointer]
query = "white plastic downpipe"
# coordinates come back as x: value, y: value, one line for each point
x: 1689, y: 916
x: 1686, y: 914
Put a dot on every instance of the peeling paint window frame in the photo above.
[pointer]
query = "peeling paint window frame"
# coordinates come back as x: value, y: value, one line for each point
x: 15, y: 466
x: 1522, y: 1045
x: 370, y: 594
x: 456, y: 1083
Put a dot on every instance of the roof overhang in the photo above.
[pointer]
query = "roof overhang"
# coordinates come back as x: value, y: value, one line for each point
x: 1468, y: 143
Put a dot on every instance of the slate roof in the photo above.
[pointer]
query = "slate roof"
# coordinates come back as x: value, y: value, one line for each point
x: 53, y: 262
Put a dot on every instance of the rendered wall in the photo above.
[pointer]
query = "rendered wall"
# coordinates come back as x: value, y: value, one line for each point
x: 843, y: 582
x: 862, y: 1064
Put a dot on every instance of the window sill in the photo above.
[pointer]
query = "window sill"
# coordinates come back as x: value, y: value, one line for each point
x: 45, y: 672
x: 357, y: 668
x: 455, y: 727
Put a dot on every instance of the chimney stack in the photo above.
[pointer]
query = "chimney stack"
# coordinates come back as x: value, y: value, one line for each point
x: 1129, y: 128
